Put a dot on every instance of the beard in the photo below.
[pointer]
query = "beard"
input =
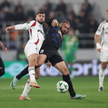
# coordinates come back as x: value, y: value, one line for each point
x: 41, y: 22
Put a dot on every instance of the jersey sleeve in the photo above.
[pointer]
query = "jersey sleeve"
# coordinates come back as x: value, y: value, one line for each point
x: 99, y: 30
x: 49, y: 21
x: 24, y: 26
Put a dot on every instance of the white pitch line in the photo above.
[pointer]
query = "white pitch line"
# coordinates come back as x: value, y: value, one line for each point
x: 10, y: 88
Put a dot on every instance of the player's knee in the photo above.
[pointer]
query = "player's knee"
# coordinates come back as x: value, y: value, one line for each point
x: 103, y: 66
x: 65, y: 71
x: 32, y: 61
x: 38, y: 64
x: 2, y: 71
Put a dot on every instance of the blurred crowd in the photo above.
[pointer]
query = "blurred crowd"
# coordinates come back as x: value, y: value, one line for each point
x: 83, y: 22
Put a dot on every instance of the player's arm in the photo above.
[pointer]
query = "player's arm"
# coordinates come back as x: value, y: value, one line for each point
x: 96, y: 37
x: 1, y: 44
x: 24, y: 26
x: 98, y: 46
x: 3, y: 47
x: 52, y: 22
x: 47, y: 63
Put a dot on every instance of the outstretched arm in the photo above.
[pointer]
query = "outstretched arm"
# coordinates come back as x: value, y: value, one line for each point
x: 24, y: 26
x: 9, y: 28
x: 3, y: 47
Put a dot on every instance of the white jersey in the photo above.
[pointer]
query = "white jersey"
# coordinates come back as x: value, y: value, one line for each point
x: 103, y: 32
x: 36, y: 37
x: 35, y: 30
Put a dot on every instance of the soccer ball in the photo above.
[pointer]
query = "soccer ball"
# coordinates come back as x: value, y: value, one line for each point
x: 62, y: 86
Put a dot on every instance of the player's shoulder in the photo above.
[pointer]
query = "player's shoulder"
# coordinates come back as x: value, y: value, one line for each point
x: 31, y: 22
x: 103, y: 22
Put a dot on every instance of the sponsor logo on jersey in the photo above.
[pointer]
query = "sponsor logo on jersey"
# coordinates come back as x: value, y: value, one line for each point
x: 41, y: 51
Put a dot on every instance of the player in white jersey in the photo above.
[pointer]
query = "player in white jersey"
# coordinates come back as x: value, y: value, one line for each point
x: 103, y: 49
x: 36, y: 38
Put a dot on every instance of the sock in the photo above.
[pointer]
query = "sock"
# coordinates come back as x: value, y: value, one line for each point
x: 26, y: 89
x: 22, y: 73
x: 32, y: 73
x: 101, y: 77
x: 71, y: 90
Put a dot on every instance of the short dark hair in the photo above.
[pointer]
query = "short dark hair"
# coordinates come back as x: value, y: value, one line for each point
x: 66, y: 21
x: 40, y: 12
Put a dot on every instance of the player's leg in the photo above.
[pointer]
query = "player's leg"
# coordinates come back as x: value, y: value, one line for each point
x: 2, y: 67
x: 59, y: 64
x: 104, y: 60
x: 40, y: 60
x: 28, y: 86
x: 32, y: 61
x: 18, y: 77
x: 65, y: 74
x: 102, y: 75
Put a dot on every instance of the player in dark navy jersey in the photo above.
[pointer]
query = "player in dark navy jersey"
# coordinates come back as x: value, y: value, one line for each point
x: 2, y: 67
x: 49, y: 51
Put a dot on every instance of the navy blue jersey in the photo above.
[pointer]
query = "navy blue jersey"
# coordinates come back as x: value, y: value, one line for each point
x: 53, y: 37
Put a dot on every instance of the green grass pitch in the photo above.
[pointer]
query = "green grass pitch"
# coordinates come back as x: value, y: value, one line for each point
x: 48, y: 97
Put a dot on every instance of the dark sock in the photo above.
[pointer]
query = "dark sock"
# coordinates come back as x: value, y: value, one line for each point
x: 71, y: 89
x: 23, y: 72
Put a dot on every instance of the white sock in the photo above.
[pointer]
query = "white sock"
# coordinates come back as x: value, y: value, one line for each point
x: 32, y: 73
x: 26, y: 89
x: 101, y: 77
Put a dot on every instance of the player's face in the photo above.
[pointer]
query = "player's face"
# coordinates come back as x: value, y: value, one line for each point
x: 65, y: 27
x: 107, y: 15
x: 40, y: 18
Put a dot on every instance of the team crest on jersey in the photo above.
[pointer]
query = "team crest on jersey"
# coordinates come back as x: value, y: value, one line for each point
x: 28, y: 22
x: 60, y: 33
x: 99, y: 30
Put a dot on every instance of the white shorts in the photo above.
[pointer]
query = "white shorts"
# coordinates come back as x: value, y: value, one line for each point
x: 104, y: 56
x: 32, y: 48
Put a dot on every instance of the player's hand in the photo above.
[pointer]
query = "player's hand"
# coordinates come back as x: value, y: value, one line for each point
x: 48, y: 65
x: 98, y: 46
x: 54, y: 23
x: 99, y: 49
x: 7, y: 29
x: 5, y: 49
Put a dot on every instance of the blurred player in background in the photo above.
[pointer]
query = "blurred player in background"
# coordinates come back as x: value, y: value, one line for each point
x: 70, y: 45
x: 36, y: 37
x: 2, y: 67
x: 102, y: 31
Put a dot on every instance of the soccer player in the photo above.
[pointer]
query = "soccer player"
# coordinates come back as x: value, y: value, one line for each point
x: 49, y: 50
x: 103, y: 49
x: 70, y: 46
x: 36, y: 37
x: 2, y: 67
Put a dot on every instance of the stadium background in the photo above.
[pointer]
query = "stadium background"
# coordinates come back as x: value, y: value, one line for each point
x: 87, y: 57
